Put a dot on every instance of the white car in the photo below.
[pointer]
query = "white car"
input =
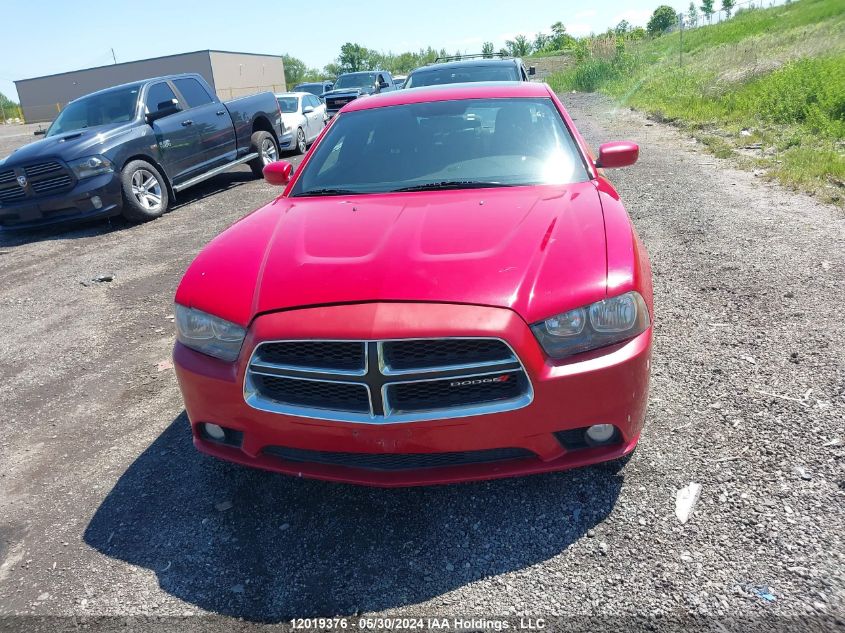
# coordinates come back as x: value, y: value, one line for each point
x: 304, y: 116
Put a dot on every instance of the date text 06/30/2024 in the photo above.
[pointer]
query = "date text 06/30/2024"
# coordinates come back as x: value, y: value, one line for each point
x: 417, y: 624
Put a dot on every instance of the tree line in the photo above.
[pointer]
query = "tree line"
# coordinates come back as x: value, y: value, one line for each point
x: 355, y: 57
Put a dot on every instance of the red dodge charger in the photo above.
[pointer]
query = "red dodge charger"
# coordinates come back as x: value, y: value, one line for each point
x: 448, y: 289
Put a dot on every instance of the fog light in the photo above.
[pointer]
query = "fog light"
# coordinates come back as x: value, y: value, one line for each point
x: 600, y: 433
x: 214, y: 432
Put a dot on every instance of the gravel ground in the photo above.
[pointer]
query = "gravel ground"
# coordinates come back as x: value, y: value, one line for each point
x: 105, y: 507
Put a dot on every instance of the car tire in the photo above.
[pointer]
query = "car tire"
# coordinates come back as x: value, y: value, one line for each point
x: 145, y: 195
x: 301, y: 143
x: 263, y: 144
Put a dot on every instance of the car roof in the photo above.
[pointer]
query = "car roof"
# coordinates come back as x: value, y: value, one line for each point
x: 475, y: 62
x: 313, y: 83
x: 450, y: 92
x: 293, y: 94
x: 137, y: 84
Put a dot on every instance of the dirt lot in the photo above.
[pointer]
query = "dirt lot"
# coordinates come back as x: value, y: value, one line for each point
x: 105, y: 507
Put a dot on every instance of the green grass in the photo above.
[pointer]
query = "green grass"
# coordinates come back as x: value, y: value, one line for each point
x: 778, y: 74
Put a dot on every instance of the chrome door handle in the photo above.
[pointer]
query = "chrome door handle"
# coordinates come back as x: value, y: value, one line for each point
x: 221, y: 112
x: 187, y: 123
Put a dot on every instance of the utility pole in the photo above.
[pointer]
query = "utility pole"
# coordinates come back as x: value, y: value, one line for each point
x: 681, y: 40
x: 113, y: 56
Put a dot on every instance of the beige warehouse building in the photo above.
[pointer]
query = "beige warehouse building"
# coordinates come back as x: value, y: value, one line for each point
x: 230, y: 74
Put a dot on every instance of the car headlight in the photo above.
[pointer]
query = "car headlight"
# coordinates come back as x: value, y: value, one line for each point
x: 601, y: 324
x: 91, y: 166
x: 208, y: 334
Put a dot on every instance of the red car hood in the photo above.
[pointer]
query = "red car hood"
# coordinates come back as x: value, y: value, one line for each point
x: 536, y: 250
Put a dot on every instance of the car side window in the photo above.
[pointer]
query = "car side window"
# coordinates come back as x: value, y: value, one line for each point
x: 156, y: 94
x: 193, y: 92
x: 315, y: 102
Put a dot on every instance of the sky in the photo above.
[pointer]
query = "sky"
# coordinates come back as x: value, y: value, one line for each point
x: 42, y: 37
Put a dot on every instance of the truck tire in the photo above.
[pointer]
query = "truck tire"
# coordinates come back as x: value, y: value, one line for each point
x: 300, y: 145
x: 263, y: 144
x: 144, y: 192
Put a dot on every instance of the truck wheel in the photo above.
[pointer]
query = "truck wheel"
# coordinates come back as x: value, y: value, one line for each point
x: 263, y: 144
x: 144, y: 192
x: 301, y: 143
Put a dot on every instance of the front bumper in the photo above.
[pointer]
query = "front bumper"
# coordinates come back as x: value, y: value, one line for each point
x: 608, y: 386
x: 286, y: 141
x: 71, y: 206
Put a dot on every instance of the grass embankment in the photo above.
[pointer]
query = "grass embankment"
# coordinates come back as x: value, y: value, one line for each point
x: 766, y: 87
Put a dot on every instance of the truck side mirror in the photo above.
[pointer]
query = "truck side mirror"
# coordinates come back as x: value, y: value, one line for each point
x: 532, y: 70
x: 163, y: 109
x: 39, y: 132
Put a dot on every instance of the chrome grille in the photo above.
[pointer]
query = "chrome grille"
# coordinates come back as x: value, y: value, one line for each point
x: 7, y: 177
x: 403, y: 380
x: 317, y: 394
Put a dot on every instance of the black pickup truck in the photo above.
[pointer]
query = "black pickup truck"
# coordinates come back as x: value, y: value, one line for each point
x: 350, y: 86
x: 130, y: 149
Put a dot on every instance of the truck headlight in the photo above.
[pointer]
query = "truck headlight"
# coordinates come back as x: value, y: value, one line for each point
x: 91, y: 166
x: 208, y: 334
x: 601, y: 324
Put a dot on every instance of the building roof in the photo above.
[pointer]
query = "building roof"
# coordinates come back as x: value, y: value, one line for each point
x: 147, y: 59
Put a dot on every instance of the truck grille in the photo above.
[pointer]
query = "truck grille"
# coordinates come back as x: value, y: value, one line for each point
x: 398, y: 461
x: 42, y: 179
x: 337, y: 104
x: 406, y: 380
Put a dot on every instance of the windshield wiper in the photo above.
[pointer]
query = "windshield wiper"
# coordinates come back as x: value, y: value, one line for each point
x: 324, y: 192
x: 452, y: 184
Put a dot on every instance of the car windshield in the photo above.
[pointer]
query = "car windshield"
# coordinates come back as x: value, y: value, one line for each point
x: 288, y: 104
x: 356, y: 80
x: 443, y: 145
x: 461, y: 74
x: 114, y: 106
x: 314, y: 89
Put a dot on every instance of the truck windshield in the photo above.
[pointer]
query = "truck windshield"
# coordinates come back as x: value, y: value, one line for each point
x: 454, y: 144
x: 114, y: 106
x: 314, y: 89
x: 356, y: 80
x: 461, y: 74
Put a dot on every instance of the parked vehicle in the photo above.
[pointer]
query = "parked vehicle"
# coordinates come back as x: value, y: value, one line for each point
x: 316, y: 88
x: 132, y: 148
x: 304, y: 116
x: 350, y: 86
x: 469, y: 68
x: 448, y: 289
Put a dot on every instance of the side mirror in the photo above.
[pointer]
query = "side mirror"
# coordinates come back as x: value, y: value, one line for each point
x: 307, y: 110
x: 617, y: 154
x: 39, y: 132
x: 163, y: 109
x: 278, y: 172
x: 532, y: 70
x: 383, y: 84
